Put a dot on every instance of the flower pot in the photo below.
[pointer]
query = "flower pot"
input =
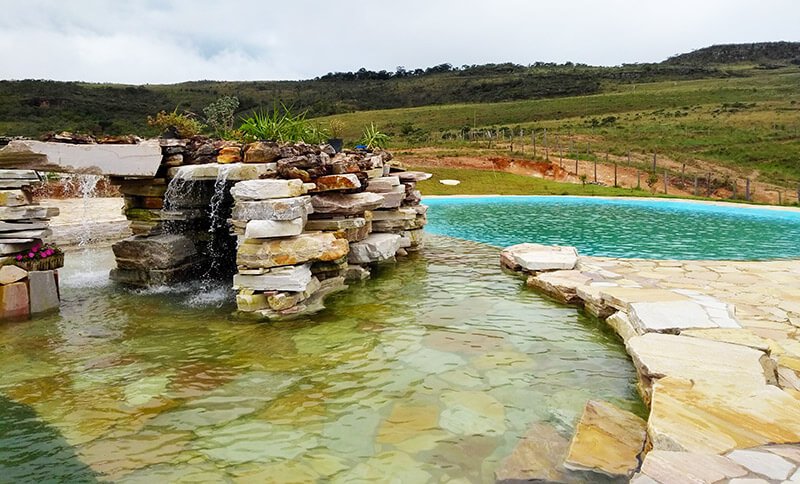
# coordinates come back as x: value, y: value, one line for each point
x: 336, y: 143
x: 55, y: 261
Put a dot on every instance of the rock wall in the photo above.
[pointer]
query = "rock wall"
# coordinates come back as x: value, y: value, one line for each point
x: 28, y: 279
x: 302, y: 220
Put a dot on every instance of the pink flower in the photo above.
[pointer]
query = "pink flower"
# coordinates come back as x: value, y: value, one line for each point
x: 35, y: 248
x: 19, y: 256
x: 31, y: 255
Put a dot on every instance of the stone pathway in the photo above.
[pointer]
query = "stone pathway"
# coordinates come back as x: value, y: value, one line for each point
x: 717, y: 351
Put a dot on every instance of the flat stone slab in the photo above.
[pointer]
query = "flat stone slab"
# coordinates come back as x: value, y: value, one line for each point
x: 267, y: 189
x: 292, y: 279
x: 538, y: 456
x: 413, y: 176
x: 607, y: 440
x: 375, y: 248
x: 706, y: 418
x: 704, y: 362
x: 275, y: 209
x: 346, y: 203
x: 141, y: 159
x: 669, y: 316
x: 538, y: 258
x: 230, y: 172
x: 334, y: 224
x: 561, y: 285
x: 383, y: 184
x: 264, y: 229
x: 672, y: 466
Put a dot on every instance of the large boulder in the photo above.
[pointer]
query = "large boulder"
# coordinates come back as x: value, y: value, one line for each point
x: 158, y: 252
x: 309, y: 247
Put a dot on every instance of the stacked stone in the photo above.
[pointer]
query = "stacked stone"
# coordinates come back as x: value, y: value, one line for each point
x: 278, y: 263
x: 401, y: 217
x: 163, y: 247
x: 23, y: 225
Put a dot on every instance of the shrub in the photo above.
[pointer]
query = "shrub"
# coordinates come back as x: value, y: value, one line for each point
x: 372, y: 138
x: 282, y: 126
x: 219, y: 115
x: 184, y: 124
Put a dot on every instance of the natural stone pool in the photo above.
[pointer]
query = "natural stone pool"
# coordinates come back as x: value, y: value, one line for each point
x: 430, y: 371
x: 635, y: 228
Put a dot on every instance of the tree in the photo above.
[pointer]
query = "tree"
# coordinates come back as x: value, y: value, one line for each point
x: 219, y: 115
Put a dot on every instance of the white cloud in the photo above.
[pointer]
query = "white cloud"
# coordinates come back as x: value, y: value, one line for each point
x: 160, y: 41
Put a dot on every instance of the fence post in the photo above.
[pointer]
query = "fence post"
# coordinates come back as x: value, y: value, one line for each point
x: 695, y: 185
x: 638, y: 179
x: 747, y: 189
x: 735, y: 183
x: 595, y: 170
x: 780, y: 197
x: 708, y: 185
x: 654, y: 162
x: 666, y: 182
x: 546, y: 150
x: 683, y: 175
x: 615, y: 173
x: 533, y: 140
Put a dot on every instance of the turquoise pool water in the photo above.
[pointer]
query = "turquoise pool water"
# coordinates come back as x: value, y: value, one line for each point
x: 633, y: 228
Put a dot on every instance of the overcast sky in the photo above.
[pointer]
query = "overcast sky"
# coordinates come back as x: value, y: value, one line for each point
x: 164, y: 41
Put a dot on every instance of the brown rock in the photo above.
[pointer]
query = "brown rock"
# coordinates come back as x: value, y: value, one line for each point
x: 261, y: 152
x: 607, y: 440
x: 310, y: 247
x: 346, y: 204
x: 14, y: 301
x: 537, y: 457
x: 336, y: 182
x: 230, y: 154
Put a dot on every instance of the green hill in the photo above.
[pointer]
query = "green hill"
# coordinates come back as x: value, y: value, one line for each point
x: 764, y: 52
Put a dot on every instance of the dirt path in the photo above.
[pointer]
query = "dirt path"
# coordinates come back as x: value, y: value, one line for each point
x: 564, y: 170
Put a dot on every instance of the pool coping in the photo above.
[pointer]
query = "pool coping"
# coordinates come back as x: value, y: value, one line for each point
x: 613, y: 288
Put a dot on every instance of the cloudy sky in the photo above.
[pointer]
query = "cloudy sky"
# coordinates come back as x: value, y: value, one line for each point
x: 164, y: 41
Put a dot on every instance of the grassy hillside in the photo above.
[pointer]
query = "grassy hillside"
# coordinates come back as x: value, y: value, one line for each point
x: 32, y: 107
x: 750, y: 123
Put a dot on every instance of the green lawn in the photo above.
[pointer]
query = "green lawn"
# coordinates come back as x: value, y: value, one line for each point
x: 482, y: 182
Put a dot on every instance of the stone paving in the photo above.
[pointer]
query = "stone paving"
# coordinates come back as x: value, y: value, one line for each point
x: 717, y: 351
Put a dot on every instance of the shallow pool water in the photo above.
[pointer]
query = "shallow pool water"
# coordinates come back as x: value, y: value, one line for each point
x: 429, y: 372
x: 635, y: 228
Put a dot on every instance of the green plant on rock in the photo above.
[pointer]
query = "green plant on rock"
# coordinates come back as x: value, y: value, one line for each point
x: 282, y: 126
x: 220, y: 115
x: 184, y: 124
x: 372, y: 138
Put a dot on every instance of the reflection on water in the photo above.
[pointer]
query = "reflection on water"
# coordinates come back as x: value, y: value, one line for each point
x: 430, y: 371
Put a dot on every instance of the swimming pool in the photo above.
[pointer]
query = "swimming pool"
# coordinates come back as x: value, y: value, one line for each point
x: 629, y: 228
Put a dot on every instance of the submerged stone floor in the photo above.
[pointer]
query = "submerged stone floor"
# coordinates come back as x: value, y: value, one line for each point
x: 717, y: 351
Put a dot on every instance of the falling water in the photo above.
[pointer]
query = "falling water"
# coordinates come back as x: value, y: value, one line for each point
x: 179, y: 188
x: 86, y: 187
x: 218, y: 245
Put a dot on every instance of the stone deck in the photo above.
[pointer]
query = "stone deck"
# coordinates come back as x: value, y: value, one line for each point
x: 717, y: 351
